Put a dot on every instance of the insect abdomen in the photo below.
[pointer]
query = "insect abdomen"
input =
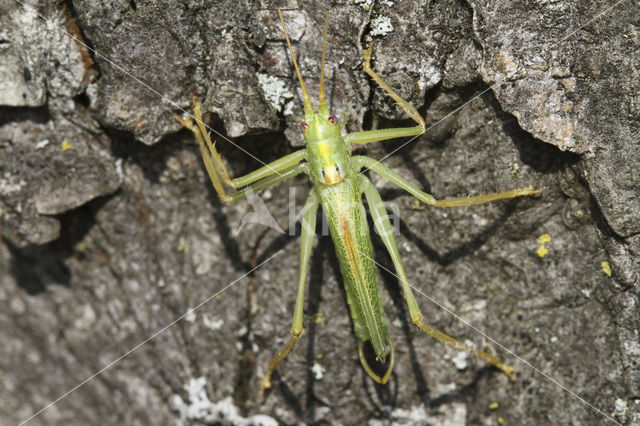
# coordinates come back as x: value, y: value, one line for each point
x: 350, y: 233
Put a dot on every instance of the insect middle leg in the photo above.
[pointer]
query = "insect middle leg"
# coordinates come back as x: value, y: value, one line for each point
x: 383, y: 226
x: 215, y: 166
x: 381, y: 169
x: 306, y: 242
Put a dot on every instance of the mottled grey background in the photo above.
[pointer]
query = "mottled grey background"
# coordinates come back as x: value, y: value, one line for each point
x: 111, y: 230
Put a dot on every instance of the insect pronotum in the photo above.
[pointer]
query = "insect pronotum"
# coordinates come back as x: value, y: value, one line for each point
x: 338, y: 186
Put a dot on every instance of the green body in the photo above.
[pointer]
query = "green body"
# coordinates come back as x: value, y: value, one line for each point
x: 342, y: 204
x: 339, y: 185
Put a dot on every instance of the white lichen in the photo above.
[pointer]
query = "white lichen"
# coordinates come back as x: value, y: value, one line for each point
x: 42, y: 143
x: 318, y: 371
x: 460, y: 360
x: 212, y: 324
x: 190, y: 316
x: 620, y: 409
x: 365, y: 4
x: 381, y: 26
x: 86, y: 318
x: 119, y: 171
x: 448, y: 415
x: 275, y: 92
x: 10, y: 184
x: 17, y: 305
x: 199, y: 410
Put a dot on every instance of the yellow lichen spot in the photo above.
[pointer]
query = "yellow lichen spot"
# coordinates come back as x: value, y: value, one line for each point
x: 606, y: 268
x: 542, y: 251
x: 542, y: 240
x: 493, y: 405
x: 65, y: 145
x: 182, y: 246
x: 317, y: 317
x: 218, y: 296
x: 500, y: 420
x: 319, y: 356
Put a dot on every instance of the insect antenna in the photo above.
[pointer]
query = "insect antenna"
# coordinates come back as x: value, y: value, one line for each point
x: 324, y: 49
x: 308, y: 109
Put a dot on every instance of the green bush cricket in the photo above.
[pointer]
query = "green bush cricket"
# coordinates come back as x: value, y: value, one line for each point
x: 338, y: 185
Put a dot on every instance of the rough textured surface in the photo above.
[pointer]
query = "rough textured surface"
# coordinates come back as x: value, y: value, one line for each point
x: 569, y: 73
x: 111, y: 231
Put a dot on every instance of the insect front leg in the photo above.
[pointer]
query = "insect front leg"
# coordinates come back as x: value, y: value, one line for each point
x: 383, y: 226
x: 267, y: 182
x: 383, y: 134
x: 216, y: 169
x: 306, y: 242
x: 381, y: 169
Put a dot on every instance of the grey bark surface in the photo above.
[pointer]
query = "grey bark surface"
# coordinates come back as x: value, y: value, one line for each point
x: 111, y: 230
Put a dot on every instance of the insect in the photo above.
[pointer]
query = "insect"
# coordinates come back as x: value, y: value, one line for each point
x: 338, y: 186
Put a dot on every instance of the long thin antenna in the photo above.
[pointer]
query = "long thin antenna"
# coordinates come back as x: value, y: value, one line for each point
x: 324, y: 49
x: 307, y: 101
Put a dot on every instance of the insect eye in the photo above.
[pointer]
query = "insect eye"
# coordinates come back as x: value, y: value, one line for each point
x: 304, y: 126
x: 333, y: 119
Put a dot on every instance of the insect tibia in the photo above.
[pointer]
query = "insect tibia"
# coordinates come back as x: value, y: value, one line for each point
x: 221, y: 169
x: 461, y: 347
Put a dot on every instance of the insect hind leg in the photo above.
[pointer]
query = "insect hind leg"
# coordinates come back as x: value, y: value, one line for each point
x: 409, y: 109
x: 383, y: 225
x: 418, y: 320
x: 306, y: 242
x: 286, y: 350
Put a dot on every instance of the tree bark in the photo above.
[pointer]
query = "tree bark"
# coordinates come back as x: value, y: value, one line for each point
x: 132, y: 295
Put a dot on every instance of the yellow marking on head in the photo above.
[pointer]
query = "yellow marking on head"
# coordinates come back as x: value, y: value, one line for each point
x: 330, y: 172
x: 324, y: 150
